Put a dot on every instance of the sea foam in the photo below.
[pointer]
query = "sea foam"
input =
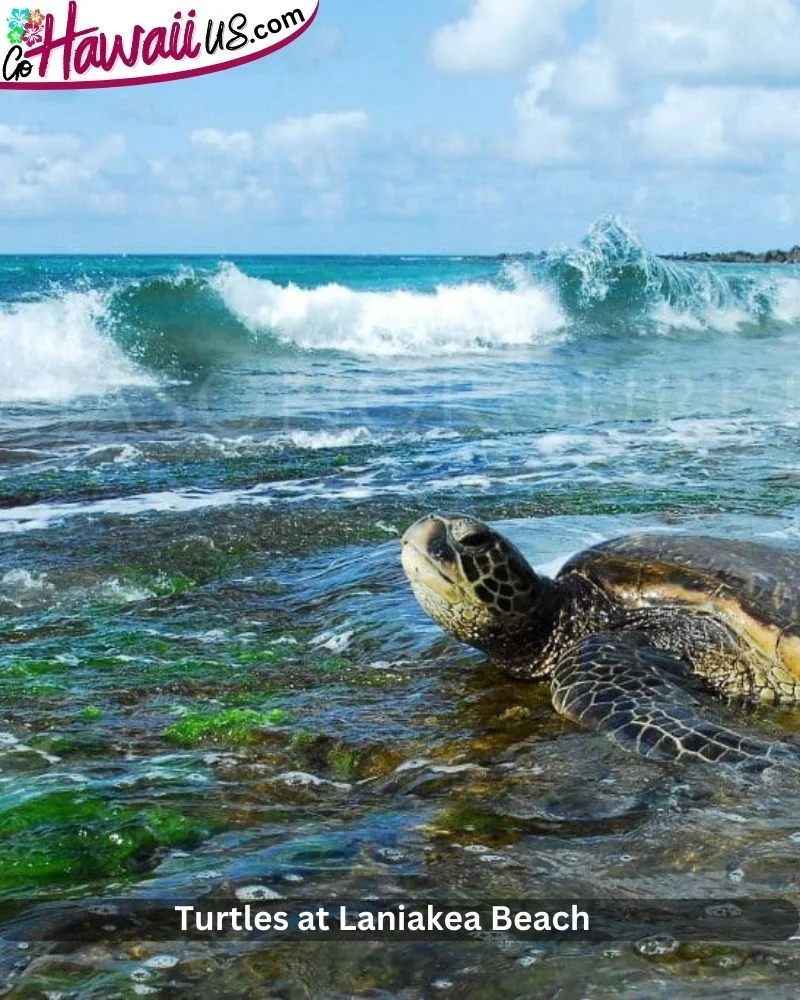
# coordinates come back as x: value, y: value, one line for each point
x: 53, y: 350
x: 452, y: 319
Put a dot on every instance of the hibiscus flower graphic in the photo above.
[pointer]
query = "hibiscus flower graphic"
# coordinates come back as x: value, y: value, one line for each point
x: 19, y: 18
x: 15, y: 36
x: 36, y: 18
x: 33, y: 34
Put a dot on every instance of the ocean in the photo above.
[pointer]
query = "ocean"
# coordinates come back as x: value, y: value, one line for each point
x: 213, y: 676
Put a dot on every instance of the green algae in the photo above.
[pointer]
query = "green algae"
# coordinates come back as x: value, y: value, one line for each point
x: 31, y: 668
x: 302, y: 739
x: 65, y: 837
x: 331, y: 665
x: 91, y: 713
x: 143, y: 643
x: 258, y: 656
x: 167, y: 586
x: 475, y: 826
x: 60, y: 744
x: 32, y: 678
x: 344, y: 764
x: 251, y: 699
x: 20, y: 689
x: 53, y: 977
x: 83, y: 741
x: 233, y: 726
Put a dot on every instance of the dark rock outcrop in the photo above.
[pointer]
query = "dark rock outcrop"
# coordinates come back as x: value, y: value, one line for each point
x: 740, y: 257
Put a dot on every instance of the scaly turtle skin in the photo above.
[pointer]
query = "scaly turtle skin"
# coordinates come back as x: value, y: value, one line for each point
x: 631, y: 633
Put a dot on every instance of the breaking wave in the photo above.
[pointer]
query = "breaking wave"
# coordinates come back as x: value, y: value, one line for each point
x: 69, y: 343
x: 56, y: 349
x: 452, y: 319
x: 613, y: 282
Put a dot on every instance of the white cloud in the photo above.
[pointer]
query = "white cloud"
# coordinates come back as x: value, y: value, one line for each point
x: 683, y: 127
x: 322, y: 130
x: 325, y: 207
x: 785, y: 207
x: 719, y: 125
x: 227, y: 143
x: 291, y: 137
x: 317, y: 147
x: 247, y: 193
x: 698, y: 84
x: 713, y: 41
x: 589, y: 80
x: 299, y: 164
x: 42, y: 170
x: 716, y: 40
x: 543, y: 138
x: 497, y: 35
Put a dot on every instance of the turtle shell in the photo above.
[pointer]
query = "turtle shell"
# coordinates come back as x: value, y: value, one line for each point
x: 755, y: 588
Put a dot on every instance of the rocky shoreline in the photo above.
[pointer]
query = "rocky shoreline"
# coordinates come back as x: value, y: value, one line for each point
x: 696, y: 256
x: 739, y: 257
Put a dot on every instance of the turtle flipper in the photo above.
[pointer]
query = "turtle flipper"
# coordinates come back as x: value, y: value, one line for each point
x: 642, y: 698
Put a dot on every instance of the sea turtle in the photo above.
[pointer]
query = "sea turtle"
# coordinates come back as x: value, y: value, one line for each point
x: 631, y: 633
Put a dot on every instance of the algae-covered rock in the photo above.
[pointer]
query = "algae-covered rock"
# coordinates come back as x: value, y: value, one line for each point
x: 66, y: 838
x: 232, y: 727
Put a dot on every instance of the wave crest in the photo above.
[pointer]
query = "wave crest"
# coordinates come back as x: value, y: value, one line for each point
x: 612, y: 280
x: 453, y: 319
x: 55, y: 349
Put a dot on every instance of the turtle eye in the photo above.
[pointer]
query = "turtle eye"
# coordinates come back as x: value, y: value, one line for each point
x: 475, y: 539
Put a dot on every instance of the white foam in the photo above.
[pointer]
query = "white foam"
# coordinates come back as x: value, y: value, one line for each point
x: 317, y: 440
x: 720, y: 309
x: 303, y: 779
x: 256, y: 894
x: 53, y: 350
x: 79, y: 457
x: 306, y: 440
x: 23, y: 580
x: 452, y: 319
x: 722, y: 319
x: 10, y: 744
x: 34, y: 517
x: 20, y: 588
x: 115, y: 591
x: 786, y: 300
x: 335, y: 642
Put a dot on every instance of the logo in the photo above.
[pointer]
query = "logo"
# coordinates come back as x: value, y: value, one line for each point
x: 93, y: 43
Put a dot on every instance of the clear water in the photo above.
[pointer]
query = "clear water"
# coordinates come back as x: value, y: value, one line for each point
x: 213, y: 675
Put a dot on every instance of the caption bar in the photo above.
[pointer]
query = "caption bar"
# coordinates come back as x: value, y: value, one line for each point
x: 723, y: 920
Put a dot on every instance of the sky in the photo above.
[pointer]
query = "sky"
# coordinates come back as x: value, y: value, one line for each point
x: 432, y: 126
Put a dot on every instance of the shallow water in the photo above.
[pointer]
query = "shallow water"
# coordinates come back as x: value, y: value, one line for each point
x: 212, y: 673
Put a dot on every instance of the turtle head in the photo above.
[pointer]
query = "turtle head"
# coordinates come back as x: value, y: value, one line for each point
x: 473, y: 582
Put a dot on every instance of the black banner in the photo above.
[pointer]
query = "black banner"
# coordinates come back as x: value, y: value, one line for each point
x: 594, y: 920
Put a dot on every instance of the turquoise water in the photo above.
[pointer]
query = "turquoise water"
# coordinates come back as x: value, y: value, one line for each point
x: 212, y: 674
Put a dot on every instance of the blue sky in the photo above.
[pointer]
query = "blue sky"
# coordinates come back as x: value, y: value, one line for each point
x: 432, y: 126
